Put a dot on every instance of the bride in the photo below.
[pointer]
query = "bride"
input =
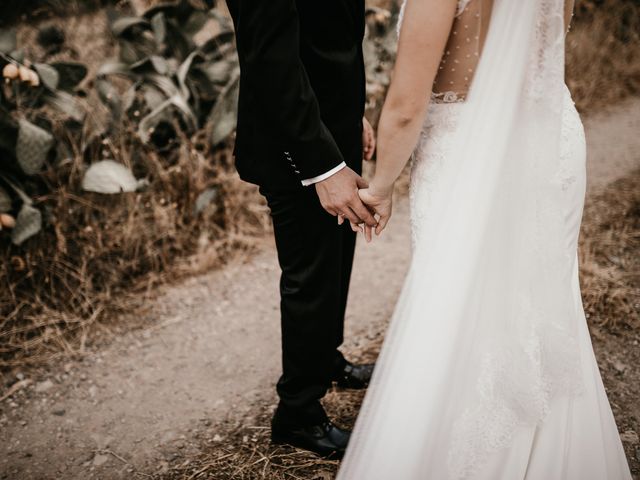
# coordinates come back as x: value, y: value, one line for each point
x: 487, y: 371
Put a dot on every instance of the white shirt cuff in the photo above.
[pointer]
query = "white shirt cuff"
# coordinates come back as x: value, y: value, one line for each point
x: 324, y: 176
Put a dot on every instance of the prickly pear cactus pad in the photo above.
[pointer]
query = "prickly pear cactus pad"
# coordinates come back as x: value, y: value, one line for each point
x: 33, y: 146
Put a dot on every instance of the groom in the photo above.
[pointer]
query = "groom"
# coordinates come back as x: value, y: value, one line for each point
x: 300, y: 138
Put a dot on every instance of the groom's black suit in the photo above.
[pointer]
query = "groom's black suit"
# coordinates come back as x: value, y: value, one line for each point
x: 302, y: 95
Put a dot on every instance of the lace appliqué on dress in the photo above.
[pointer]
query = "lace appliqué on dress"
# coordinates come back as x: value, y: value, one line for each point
x: 446, y: 97
x: 516, y: 385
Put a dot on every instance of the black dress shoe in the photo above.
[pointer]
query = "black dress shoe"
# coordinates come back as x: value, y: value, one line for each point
x: 325, y: 439
x: 354, y: 376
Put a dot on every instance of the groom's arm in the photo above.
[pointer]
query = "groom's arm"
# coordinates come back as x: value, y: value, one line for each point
x: 274, y: 78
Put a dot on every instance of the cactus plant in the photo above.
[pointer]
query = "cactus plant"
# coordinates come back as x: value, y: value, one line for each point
x: 24, y: 145
x: 27, y: 224
x: 7, y: 221
x: 175, y: 84
x: 108, y: 176
x: 5, y: 201
x: 33, y: 146
x: 171, y: 74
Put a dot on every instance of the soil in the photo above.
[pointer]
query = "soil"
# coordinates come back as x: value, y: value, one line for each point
x: 156, y: 397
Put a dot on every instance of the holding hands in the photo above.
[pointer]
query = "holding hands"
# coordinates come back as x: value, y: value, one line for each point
x: 379, y: 201
x: 338, y: 195
x: 349, y: 197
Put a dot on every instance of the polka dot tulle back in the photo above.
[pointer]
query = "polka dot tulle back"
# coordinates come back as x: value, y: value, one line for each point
x: 462, y: 53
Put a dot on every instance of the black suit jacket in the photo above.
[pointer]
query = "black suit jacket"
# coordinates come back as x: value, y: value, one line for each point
x: 302, y: 88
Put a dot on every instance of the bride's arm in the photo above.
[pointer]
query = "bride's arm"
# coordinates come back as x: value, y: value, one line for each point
x: 568, y: 13
x: 424, y: 34
x: 423, y: 37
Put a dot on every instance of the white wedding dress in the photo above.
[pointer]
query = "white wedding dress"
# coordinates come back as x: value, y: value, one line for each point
x: 487, y: 371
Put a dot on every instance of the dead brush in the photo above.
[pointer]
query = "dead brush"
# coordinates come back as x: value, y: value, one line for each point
x: 243, y: 450
x: 610, y: 255
x: 103, y: 251
x: 603, y: 52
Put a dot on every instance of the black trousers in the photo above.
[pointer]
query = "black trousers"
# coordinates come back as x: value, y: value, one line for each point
x: 316, y: 257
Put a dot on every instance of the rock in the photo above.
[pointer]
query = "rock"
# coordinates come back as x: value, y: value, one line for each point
x: 102, y: 441
x: 171, y: 457
x: 169, y: 436
x: 44, y: 386
x: 59, y: 412
x: 100, y: 460
x: 619, y: 366
x: 163, y: 466
x: 323, y: 476
x: 629, y: 436
x: 84, y: 459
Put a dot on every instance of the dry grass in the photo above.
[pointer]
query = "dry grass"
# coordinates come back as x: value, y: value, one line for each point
x: 12, y: 11
x: 603, y: 52
x: 610, y: 255
x: 242, y: 448
x: 102, y: 251
x: 247, y: 455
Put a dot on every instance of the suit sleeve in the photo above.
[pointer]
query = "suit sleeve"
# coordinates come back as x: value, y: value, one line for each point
x: 275, y: 81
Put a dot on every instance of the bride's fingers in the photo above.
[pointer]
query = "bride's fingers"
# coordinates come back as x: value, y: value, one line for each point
x: 368, y: 233
x: 382, y: 223
x: 363, y: 228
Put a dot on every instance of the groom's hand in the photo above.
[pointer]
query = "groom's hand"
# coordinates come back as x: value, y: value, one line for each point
x: 368, y: 140
x: 338, y: 195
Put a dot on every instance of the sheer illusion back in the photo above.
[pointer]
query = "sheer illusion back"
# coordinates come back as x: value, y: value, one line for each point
x: 462, y: 53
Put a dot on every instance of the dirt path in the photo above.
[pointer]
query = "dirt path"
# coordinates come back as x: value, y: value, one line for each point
x: 212, y: 349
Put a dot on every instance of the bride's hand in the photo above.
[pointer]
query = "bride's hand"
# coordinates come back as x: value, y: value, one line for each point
x: 379, y: 201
